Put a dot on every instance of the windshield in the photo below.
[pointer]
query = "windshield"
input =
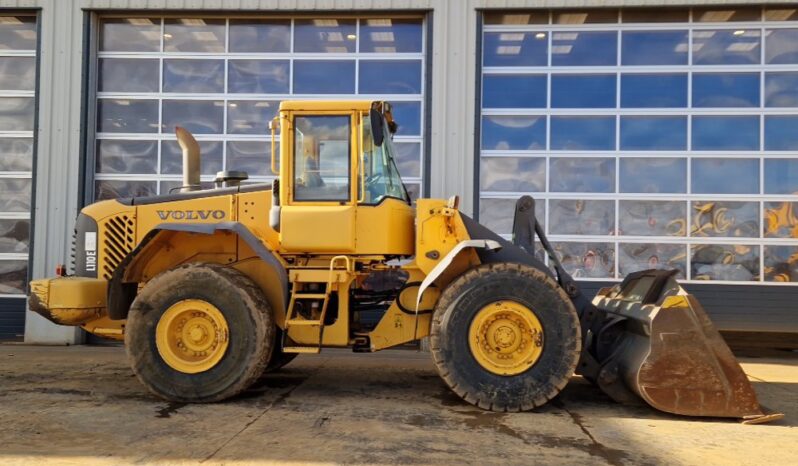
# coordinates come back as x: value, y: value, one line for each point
x: 381, y: 176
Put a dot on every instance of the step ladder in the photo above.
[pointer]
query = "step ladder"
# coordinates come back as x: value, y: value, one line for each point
x: 294, y: 319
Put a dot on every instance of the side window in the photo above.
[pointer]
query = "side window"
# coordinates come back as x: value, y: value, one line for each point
x: 321, y: 158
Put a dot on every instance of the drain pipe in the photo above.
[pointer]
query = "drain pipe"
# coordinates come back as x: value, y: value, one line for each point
x: 191, y: 160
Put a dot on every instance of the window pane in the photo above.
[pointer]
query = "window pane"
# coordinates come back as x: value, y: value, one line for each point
x: 583, y: 91
x: 193, y: 76
x: 726, y: 90
x: 780, y: 133
x: 653, y: 175
x: 324, y: 77
x: 508, y: 91
x: 781, y: 263
x: 712, y: 176
x: 717, y: 15
x: 413, y: 190
x: 781, y: 46
x: 194, y: 35
x: 197, y: 116
x: 583, y: 133
x: 251, y: 116
x: 726, y: 47
x: 581, y: 217
x: 587, y: 260
x: 497, y: 214
x: 118, y: 156
x: 408, y: 116
x: 14, y: 236
x: 584, y: 48
x: 15, y: 195
x: 725, y: 218
x: 390, y: 77
x: 737, y: 262
x: 16, y: 113
x: 127, y: 116
x: 514, y: 132
x: 172, y: 157
x: 16, y: 154
x: 781, y: 176
x: 260, y: 35
x: 513, y: 174
x: 726, y: 132
x: 653, y: 90
x: 781, y: 89
x: 253, y: 157
x: 258, y: 76
x: 602, y: 15
x: 324, y: 35
x: 515, y: 49
x: 653, y: 133
x: 654, y: 48
x: 128, y: 75
x: 114, y: 189
x: 391, y: 35
x: 781, y: 219
x: 582, y: 175
x: 17, y: 73
x: 634, y: 257
x: 13, y: 276
x: 408, y: 159
x: 652, y: 218
x: 516, y: 17
x: 321, y: 158
x: 130, y: 34
x: 781, y: 14
x: 655, y: 15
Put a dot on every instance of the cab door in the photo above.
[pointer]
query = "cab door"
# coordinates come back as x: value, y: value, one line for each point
x: 318, y: 206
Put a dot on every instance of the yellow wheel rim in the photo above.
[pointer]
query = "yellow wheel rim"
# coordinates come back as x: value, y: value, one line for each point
x: 506, y: 338
x: 192, y: 336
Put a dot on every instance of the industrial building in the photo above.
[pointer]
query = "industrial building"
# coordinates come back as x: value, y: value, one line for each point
x: 652, y: 134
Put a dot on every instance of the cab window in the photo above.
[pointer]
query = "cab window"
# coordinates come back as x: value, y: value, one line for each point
x: 321, y: 158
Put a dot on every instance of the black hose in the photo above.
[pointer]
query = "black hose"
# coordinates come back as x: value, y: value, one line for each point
x: 399, y: 300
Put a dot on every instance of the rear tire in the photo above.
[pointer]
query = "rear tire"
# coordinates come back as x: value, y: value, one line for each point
x: 483, y: 374
x: 231, y: 343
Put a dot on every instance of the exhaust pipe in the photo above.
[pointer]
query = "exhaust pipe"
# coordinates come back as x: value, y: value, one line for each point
x: 191, y: 160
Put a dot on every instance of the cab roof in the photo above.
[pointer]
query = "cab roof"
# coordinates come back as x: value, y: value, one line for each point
x: 326, y: 105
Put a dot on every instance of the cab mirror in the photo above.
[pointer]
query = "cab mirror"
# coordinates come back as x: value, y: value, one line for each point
x: 377, y: 129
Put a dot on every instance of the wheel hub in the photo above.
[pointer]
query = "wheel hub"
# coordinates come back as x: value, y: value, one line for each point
x: 506, y: 338
x: 192, y: 336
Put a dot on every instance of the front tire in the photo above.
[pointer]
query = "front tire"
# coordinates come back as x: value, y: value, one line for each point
x: 505, y: 337
x: 199, y: 333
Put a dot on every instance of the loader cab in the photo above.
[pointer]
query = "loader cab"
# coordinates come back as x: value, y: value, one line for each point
x: 340, y: 191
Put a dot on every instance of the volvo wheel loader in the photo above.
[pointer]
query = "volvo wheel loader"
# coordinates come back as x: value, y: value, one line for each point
x: 211, y: 288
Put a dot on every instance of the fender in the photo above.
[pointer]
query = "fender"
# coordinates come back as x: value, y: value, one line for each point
x: 444, y: 263
x: 121, y: 292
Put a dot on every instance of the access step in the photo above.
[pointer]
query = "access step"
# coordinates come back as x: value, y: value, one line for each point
x: 302, y: 323
x: 302, y: 349
x: 310, y: 296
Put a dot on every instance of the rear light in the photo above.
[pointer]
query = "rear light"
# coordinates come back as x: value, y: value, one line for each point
x: 60, y: 270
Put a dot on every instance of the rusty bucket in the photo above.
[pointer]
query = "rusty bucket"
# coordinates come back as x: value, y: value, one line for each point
x: 657, y: 342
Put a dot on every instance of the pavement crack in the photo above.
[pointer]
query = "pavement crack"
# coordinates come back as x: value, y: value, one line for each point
x: 596, y: 448
x: 279, y: 400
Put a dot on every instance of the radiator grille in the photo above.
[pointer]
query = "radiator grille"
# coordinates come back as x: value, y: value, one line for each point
x: 118, y: 241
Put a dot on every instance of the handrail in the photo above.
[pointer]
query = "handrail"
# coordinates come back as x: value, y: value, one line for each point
x: 273, y: 127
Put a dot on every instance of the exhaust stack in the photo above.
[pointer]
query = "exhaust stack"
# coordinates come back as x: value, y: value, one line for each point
x: 191, y: 160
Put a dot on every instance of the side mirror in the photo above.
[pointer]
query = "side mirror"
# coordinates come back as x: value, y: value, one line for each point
x: 377, y: 129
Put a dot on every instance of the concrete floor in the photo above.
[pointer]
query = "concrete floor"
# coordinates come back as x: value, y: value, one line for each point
x: 82, y: 405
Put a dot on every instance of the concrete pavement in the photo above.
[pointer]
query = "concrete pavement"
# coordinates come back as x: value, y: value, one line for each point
x: 82, y: 405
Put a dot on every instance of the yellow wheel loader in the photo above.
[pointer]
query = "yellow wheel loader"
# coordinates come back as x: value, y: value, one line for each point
x: 211, y: 288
